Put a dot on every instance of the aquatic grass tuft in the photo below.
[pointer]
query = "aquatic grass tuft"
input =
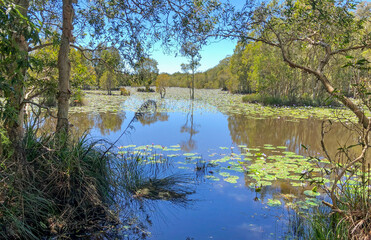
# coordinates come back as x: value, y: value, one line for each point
x: 146, y: 178
x: 64, y: 189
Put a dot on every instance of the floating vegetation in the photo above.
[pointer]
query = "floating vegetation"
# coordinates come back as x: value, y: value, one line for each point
x: 311, y: 193
x: 210, y: 100
x: 259, y: 168
x: 274, y: 202
x: 231, y: 179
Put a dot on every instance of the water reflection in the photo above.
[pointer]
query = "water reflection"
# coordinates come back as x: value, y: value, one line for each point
x: 109, y: 122
x: 283, y: 132
x: 205, y: 134
x: 83, y: 122
x: 149, y: 118
x: 191, y: 128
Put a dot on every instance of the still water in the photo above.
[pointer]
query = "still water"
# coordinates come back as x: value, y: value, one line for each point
x: 222, y: 207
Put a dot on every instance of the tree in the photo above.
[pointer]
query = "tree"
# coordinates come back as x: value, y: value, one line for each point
x: 64, y: 67
x: 191, y: 51
x: 328, y: 29
x: 162, y: 82
x: 82, y: 71
x: 146, y: 72
x: 110, y: 65
x: 108, y: 81
x: 15, y: 32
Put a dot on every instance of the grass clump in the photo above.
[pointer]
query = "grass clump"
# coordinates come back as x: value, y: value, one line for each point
x: 317, y: 225
x: 147, y: 178
x: 62, y: 189
x: 286, y: 101
x: 348, y: 194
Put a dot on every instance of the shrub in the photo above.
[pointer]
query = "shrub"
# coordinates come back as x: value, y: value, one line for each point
x: 251, y: 98
x: 78, y: 98
x: 124, y: 92
x: 145, y: 90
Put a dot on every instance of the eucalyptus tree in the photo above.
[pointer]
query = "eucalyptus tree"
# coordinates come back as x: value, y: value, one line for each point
x: 16, y: 32
x: 146, y: 71
x: 327, y: 29
x: 112, y: 61
x: 191, y: 50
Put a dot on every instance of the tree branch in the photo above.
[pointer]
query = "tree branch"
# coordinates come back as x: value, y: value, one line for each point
x: 40, y: 106
x: 30, y: 49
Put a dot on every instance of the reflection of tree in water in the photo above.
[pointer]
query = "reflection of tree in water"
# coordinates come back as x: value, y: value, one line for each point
x: 190, y: 128
x: 80, y: 123
x: 109, y: 122
x: 281, y: 132
x: 149, y: 118
x: 278, y: 187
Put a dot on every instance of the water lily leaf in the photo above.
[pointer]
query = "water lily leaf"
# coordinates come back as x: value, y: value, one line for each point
x: 189, y: 154
x: 310, y: 193
x: 281, y: 147
x: 224, y: 174
x: 313, y: 202
x: 129, y: 146
x: 182, y: 167
x: 230, y: 180
x: 270, y: 148
x: 274, y: 202
x: 253, y: 149
x: 212, y: 178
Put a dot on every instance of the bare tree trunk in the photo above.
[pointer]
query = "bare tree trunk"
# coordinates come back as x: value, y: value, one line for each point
x: 64, y: 67
x: 193, y: 85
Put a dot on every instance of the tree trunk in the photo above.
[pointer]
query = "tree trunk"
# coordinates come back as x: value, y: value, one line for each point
x: 64, y: 68
x: 193, y: 85
x: 14, y: 123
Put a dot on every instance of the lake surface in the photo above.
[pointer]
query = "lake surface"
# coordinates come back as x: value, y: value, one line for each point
x: 251, y: 184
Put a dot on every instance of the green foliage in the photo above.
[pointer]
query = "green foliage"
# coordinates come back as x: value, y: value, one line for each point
x: 78, y: 98
x: 68, y: 193
x: 162, y: 82
x: 317, y: 225
x: 15, y: 30
x: 124, y: 92
x: 108, y: 81
x: 146, y: 72
x: 251, y: 98
x: 82, y: 71
x: 45, y: 77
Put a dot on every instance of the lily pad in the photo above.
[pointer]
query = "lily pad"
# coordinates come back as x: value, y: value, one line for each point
x: 311, y: 193
x: 274, y: 202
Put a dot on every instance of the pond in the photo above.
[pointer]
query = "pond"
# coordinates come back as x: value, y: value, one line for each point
x: 246, y: 161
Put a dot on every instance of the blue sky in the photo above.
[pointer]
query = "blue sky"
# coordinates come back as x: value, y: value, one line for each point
x: 210, y: 56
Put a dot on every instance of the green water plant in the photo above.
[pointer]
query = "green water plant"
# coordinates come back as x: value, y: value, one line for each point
x: 65, y: 190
